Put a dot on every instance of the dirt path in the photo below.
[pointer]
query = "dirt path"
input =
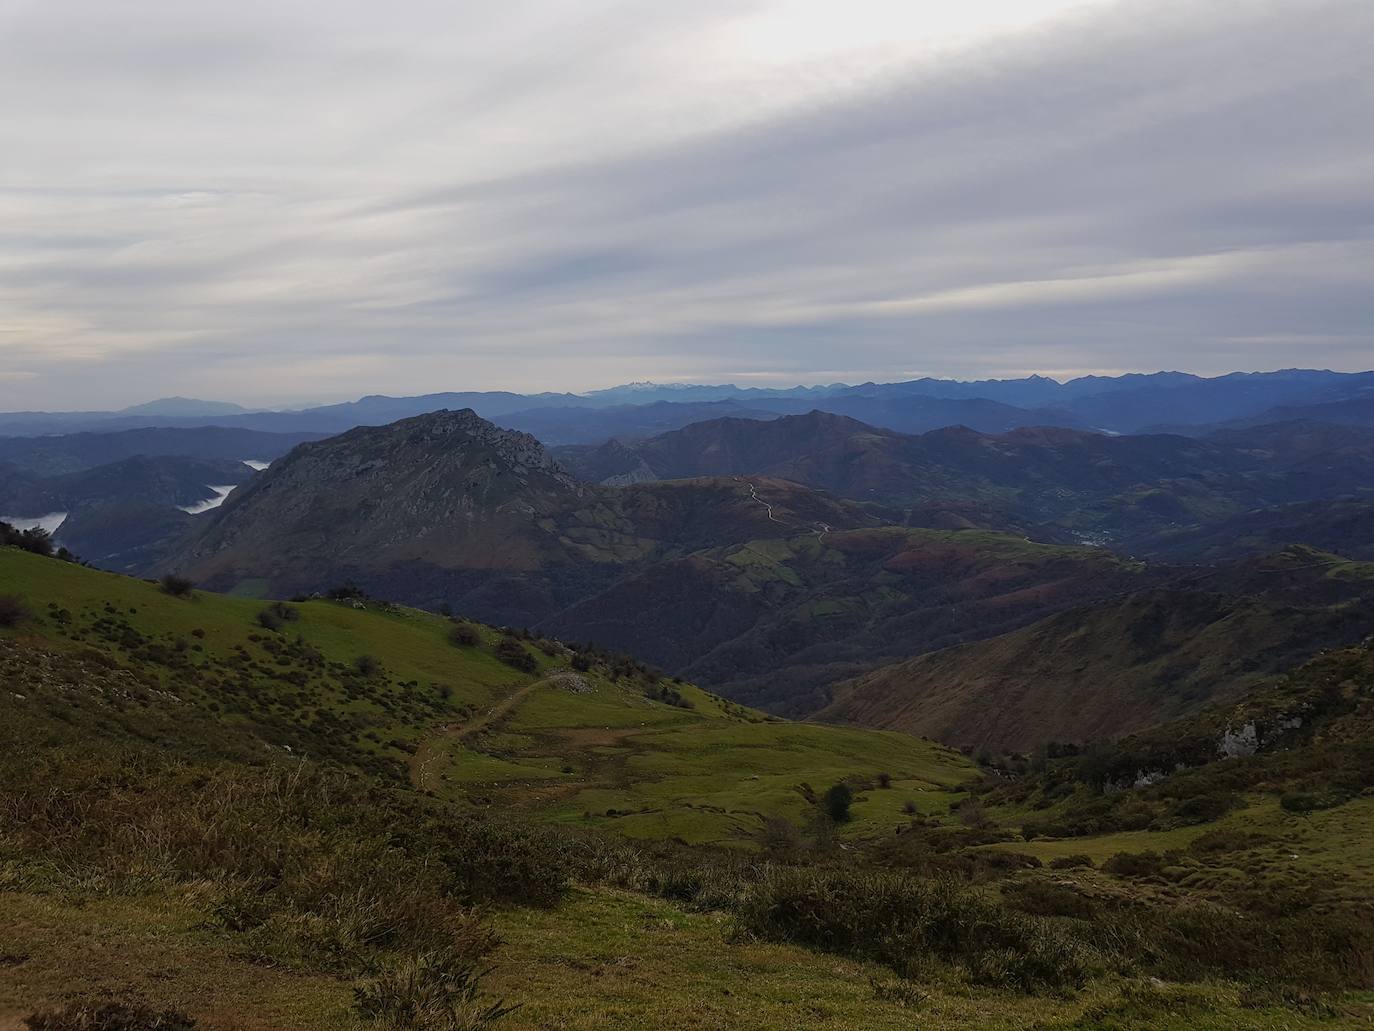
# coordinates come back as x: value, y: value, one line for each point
x: 424, y: 765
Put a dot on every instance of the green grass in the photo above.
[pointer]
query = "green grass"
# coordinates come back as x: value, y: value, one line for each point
x: 469, y: 726
x: 102, y: 662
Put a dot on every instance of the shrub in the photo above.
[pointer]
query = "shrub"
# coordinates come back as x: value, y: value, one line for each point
x: 1045, y: 898
x: 177, y: 586
x: 1229, y: 840
x: 837, y: 801
x: 1135, y: 864
x: 900, y: 921
x: 1071, y: 862
x: 1310, y: 801
x: 367, y: 665
x: 13, y: 611
x: 1203, y: 808
x: 884, y: 780
x: 464, y: 635
x: 109, y: 1016
x: 513, y: 653
x: 430, y: 992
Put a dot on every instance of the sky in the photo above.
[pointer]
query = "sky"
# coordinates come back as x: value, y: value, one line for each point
x: 298, y: 200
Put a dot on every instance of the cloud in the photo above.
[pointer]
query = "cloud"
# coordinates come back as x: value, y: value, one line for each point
x: 309, y: 199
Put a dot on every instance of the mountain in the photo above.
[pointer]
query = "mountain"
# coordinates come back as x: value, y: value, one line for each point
x: 775, y: 623
x: 1121, y: 666
x: 183, y: 406
x: 449, y: 508
x: 1190, y: 402
x: 906, y: 414
x: 444, y: 490
x: 1050, y: 483
x: 577, y: 425
x: 1348, y: 411
x: 169, y: 480
x: 728, y: 579
x: 746, y: 570
x: 1345, y: 527
x: 125, y: 536
x: 791, y: 447
x: 72, y: 452
x: 1124, y: 404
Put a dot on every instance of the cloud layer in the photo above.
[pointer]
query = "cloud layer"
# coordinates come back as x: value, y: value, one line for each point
x: 282, y: 201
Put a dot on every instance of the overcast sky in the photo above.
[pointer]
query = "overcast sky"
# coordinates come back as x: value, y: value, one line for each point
x: 282, y: 200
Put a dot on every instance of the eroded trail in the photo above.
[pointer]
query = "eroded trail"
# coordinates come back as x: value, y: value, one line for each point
x: 424, y: 764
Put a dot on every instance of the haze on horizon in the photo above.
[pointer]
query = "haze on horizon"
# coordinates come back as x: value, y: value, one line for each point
x: 273, y: 203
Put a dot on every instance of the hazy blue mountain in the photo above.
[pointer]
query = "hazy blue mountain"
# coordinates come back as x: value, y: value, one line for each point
x: 1123, y: 404
x: 184, y: 407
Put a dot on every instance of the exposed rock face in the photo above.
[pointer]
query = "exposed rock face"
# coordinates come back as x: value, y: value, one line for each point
x: 449, y: 486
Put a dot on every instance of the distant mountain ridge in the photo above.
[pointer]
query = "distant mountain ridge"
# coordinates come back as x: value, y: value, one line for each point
x: 1122, y: 404
x: 1047, y: 482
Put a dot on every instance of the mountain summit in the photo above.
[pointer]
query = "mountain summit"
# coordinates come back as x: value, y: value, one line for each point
x: 448, y: 487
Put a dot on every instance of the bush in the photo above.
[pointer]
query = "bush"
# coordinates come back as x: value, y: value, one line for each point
x: 837, y: 801
x: 367, y: 665
x: 1045, y: 898
x: 1229, y: 840
x: 1204, y: 808
x: 13, y: 611
x: 900, y: 921
x: 431, y: 992
x: 1135, y: 864
x: 1310, y: 801
x: 109, y: 1016
x: 513, y: 653
x: 464, y: 635
x: 177, y: 586
x: 1071, y: 862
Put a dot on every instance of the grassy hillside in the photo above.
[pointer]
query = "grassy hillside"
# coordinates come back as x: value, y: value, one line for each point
x: 384, y: 689
x: 336, y: 813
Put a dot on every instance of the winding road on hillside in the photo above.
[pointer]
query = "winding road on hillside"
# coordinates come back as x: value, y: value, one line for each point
x: 819, y: 529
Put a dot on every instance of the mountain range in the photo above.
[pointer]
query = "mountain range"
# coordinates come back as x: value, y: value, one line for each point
x: 777, y: 560
x: 785, y: 553
x: 1122, y: 404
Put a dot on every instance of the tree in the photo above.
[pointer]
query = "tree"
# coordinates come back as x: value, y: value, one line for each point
x: 12, y: 610
x: 837, y: 801
x: 464, y: 635
x: 177, y: 586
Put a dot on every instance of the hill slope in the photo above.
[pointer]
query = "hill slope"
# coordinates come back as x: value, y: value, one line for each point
x: 229, y: 812
x: 1122, y: 666
x: 383, y: 689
